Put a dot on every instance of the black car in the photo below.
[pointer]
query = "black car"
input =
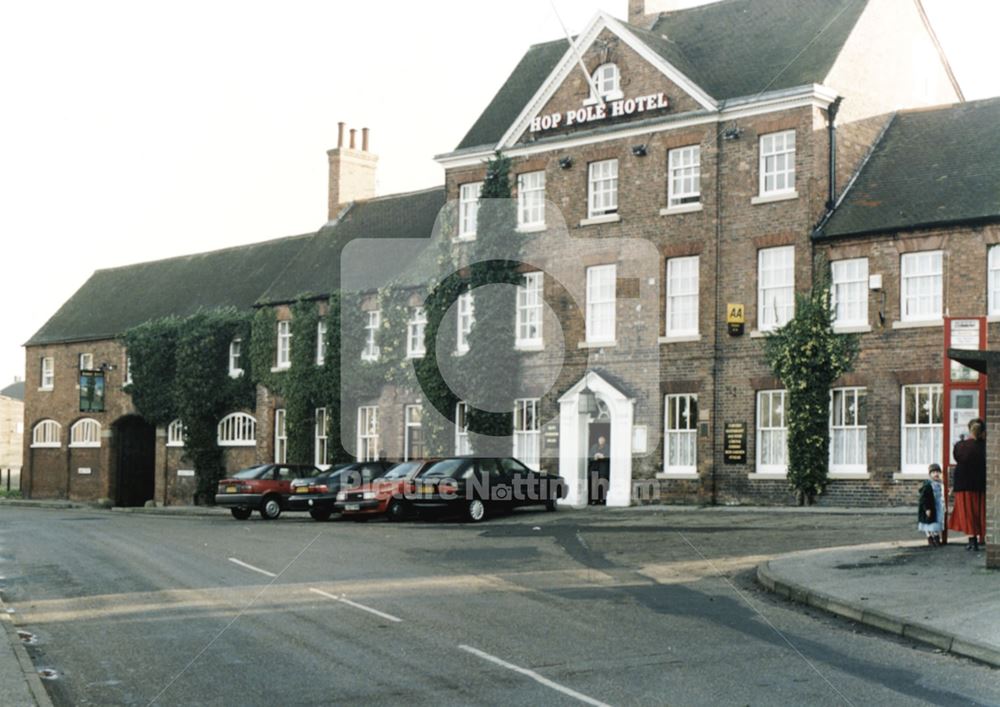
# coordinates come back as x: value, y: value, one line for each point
x: 479, y: 486
x: 319, y: 494
x: 264, y: 487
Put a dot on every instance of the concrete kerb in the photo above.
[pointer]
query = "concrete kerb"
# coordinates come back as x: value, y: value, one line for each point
x: 876, y: 619
x: 31, y: 677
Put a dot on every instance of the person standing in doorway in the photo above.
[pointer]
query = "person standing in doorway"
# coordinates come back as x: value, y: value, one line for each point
x: 969, y: 516
x: 599, y: 471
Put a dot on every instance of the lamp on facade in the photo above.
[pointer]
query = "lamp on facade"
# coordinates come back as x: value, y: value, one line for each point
x: 588, y: 401
x: 566, y: 162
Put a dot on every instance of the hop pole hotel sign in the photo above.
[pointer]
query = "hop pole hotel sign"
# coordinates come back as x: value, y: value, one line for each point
x: 598, y: 111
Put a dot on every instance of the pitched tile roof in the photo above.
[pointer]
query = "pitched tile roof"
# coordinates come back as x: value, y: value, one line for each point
x: 731, y: 49
x: 14, y: 390
x: 931, y: 168
x: 114, y: 300
x: 315, y: 269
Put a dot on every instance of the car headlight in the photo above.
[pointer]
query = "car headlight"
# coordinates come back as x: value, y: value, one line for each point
x: 369, y: 495
x: 342, y: 496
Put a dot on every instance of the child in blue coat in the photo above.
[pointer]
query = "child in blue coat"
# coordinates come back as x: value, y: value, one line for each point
x: 930, y: 513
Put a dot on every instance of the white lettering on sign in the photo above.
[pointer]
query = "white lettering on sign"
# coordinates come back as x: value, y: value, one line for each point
x: 600, y: 111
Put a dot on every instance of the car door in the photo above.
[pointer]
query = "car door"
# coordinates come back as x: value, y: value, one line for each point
x: 498, y: 481
x: 528, y: 488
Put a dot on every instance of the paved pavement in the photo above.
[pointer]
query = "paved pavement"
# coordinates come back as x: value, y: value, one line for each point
x: 944, y: 597
x: 594, y: 606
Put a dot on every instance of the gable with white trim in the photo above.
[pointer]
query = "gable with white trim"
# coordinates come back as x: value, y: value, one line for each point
x: 649, y: 87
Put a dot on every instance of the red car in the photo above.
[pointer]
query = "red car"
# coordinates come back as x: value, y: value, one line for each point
x: 383, y: 496
x: 265, y: 488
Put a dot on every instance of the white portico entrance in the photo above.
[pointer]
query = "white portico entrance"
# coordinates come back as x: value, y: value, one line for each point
x: 574, y: 439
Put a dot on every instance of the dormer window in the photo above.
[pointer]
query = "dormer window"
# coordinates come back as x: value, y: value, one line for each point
x: 606, y: 83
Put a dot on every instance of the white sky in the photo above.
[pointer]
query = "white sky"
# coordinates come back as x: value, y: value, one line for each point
x: 131, y: 131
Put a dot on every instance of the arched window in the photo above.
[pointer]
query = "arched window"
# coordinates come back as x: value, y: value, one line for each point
x: 175, y: 434
x: 238, y: 430
x: 85, y: 433
x: 607, y: 82
x: 46, y: 434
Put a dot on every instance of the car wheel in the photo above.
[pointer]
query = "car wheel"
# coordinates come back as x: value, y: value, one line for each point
x: 270, y: 508
x: 241, y: 513
x: 552, y: 505
x: 320, y: 514
x: 395, y: 512
x: 476, y: 510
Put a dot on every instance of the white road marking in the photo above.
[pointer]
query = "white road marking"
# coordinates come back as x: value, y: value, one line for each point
x: 251, y: 567
x: 356, y: 605
x: 535, y: 676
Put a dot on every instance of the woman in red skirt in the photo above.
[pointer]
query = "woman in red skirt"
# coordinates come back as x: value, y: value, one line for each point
x: 969, y: 484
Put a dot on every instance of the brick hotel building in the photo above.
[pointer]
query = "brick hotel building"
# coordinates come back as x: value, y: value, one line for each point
x: 735, y: 144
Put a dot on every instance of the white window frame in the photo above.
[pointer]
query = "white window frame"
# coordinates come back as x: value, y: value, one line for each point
x: 237, y: 429
x: 47, y: 375
x: 605, y: 83
x: 128, y: 369
x: 468, y: 210
x: 923, y: 269
x: 680, y: 434
x: 85, y: 433
x: 86, y: 361
x: 284, y: 359
x: 463, y: 447
x: 415, y: 329
x: 321, y: 329
x: 235, y: 356
x: 777, y: 163
x: 777, y: 401
x: 849, y: 428
x: 530, y: 310
x: 527, y: 432
x: 368, y: 432
x: 601, y: 306
x: 280, y: 436
x: 682, y: 302
x: 410, y: 425
x: 175, y: 434
x: 466, y: 314
x: 772, y: 264
x: 531, y: 200
x: 602, y: 188
x: 372, y: 351
x: 849, y: 292
x: 46, y: 434
x: 684, y: 176
x: 927, y: 431
x: 993, y: 280
x: 321, y: 438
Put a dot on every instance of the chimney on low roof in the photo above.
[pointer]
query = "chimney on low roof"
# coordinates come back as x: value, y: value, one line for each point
x: 352, y: 171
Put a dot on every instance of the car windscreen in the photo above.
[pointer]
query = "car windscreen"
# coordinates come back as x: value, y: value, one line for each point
x: 401, y: 471
x: 254, y: 472
x: 446, y: 468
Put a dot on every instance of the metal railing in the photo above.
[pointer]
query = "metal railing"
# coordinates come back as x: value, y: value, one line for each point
x: 10, y: 479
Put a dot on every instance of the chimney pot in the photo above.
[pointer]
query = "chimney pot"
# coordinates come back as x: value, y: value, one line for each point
x: 353, y: 133
x: 364, y: 139
x: 340, y: 134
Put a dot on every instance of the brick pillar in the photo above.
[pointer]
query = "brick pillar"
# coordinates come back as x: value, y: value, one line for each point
x: 993, y: 471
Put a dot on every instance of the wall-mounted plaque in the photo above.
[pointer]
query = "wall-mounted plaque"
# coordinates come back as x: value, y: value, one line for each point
x: 734, y: 449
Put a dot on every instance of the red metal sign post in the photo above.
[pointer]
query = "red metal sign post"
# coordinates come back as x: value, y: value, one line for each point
x: 964, y: 392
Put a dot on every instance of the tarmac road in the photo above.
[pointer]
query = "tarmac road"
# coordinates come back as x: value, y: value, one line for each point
x: 568, y: 608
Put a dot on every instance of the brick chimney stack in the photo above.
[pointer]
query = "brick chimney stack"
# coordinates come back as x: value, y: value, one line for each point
x: 352, y: 171
x: 644, y: 13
